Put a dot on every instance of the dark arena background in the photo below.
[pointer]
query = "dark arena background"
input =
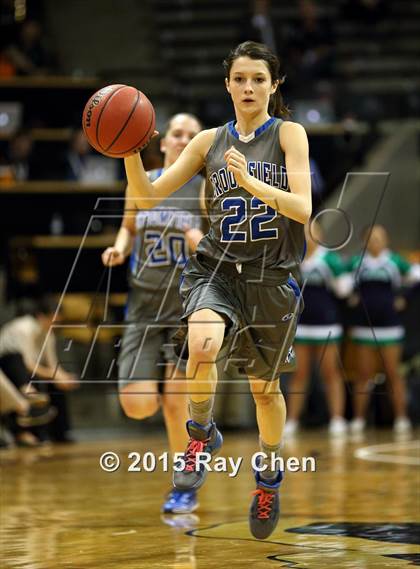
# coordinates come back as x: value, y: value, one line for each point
x: 352, y: 72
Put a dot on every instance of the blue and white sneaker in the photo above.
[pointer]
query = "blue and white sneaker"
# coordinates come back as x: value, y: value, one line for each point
x: 180, y: 502
x: 181, y: 522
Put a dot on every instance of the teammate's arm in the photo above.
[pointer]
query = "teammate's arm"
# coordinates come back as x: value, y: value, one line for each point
x: 296, y: 204
x: 117, y: 254
x: 189, y: 163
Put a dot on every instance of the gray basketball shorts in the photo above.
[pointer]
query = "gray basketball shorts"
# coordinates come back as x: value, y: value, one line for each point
x: 151, y: 320
x: 261, y: 309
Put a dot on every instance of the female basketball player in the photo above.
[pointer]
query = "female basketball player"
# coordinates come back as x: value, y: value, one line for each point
x: 159, y: 242
x: 239, y: 298
x: 319, y: 331
x: 377, y: 326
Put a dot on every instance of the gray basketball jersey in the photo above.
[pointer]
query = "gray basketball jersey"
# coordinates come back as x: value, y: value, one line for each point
x: 243, y: 228
x: 160, y: 249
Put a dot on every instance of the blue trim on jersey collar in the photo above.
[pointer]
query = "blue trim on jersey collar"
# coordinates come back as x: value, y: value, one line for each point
x: 249, y: 137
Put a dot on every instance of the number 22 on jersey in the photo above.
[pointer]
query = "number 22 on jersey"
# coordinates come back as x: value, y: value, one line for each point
x: 237, y: 216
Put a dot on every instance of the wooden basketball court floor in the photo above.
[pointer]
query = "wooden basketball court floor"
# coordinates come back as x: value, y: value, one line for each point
x: 358, y: 510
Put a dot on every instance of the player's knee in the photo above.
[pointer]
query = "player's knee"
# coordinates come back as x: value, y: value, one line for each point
x: 175, y: 406
x: 262, y: 400
x: 266, y: 399
x: 203, y: 350
x: 139, y: 407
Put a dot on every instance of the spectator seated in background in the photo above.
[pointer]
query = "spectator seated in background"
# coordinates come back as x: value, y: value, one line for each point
x: 79, y: 163
x: 28, y: 354
x: 31, y: 411
x: 17, y: 165
x: 84, y: 165
x: 27, y: 54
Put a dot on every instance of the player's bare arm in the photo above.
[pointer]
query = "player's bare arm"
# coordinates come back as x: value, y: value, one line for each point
x: 117, y: 254
x: 296, y: 204
x: 189, y: 163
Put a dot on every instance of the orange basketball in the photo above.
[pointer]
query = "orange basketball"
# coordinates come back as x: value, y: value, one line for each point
x: 118, y: 120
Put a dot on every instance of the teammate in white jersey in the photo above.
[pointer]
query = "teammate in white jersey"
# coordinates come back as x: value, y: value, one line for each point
x: 158, y: 242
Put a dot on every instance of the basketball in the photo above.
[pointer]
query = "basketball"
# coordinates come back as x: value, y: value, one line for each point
x: 118, y: 120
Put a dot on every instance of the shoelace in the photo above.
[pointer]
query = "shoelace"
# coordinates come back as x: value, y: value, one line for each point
x: 265, y: 500
x: 194, y: 446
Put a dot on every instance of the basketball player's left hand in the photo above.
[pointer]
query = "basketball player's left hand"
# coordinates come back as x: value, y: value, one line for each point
x: 236, y: 163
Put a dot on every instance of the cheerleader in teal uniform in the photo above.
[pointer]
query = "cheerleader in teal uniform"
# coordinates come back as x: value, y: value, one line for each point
x: 319, y: 332
x: 376, y: 325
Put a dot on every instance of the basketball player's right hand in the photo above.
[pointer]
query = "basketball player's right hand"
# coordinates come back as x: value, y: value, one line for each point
x: 112, y: 257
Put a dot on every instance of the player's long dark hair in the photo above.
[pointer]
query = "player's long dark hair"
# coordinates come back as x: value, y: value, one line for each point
x: 255, y: 50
